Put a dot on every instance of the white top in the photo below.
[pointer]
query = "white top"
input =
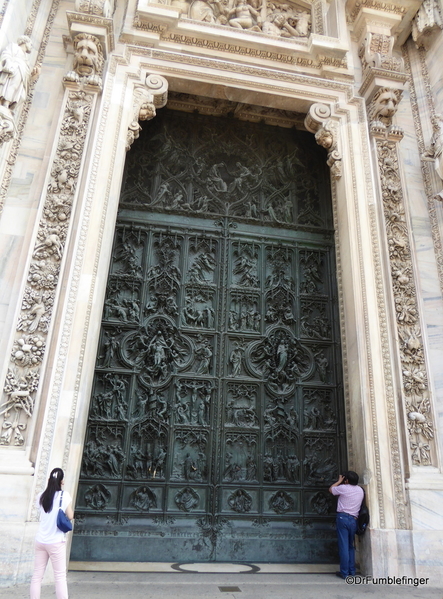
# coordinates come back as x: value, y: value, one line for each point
x: 48, y: 532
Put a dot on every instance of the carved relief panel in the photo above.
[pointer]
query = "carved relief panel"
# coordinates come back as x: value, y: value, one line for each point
x: 216, y: 397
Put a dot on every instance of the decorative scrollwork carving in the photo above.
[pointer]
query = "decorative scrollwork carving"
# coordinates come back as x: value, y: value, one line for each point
x: 318, y: 121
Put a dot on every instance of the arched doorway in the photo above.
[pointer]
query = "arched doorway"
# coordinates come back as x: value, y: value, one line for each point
x: 216, y: 420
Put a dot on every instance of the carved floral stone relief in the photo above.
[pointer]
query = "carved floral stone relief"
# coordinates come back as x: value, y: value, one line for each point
x: 414, y: 371
x: 36, y: 309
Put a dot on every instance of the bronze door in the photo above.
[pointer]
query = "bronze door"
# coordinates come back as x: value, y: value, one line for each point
x: 215, y: 425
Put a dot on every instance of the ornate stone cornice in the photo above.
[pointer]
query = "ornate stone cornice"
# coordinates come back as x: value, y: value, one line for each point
x: 379, y: 29
x: 100, y: 27
x: 427, y: 22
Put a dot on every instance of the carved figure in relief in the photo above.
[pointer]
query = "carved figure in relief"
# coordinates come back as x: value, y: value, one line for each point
x: 292, y: 468
x: 189, y: 467
x: 232, y: 469
x: 246, y: 17
x: 251, y: 468
x: 203, y: 11
x: 215, y: 179
x: 236, y: 358
x: 115, y: 456
x: 280, y: 25
x: 15, y: 73
x: 204, y: 354
x: 203, y: 263
x: 240, y: 501
x: 97, y: 497
x: 186, y: 499
x: 109, y: 349
x: 143, y: 499
x: 281, y: 502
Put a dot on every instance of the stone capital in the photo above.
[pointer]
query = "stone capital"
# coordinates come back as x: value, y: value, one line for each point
x: 380, y: 28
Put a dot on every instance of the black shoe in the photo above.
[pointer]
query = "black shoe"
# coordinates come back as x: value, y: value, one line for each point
x: 340, y: 575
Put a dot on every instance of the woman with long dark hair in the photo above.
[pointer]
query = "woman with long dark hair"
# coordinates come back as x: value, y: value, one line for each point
x: 50, y: 541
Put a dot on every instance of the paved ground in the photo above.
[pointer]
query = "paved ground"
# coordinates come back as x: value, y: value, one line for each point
x: 178, y: 585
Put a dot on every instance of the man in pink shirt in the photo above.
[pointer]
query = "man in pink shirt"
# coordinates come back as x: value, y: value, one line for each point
x: 350, y: 497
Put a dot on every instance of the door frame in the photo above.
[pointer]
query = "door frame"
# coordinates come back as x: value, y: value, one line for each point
x: 371, y: 372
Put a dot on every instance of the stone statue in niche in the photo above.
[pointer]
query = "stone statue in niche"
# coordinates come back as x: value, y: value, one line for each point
x: 15, y: 76
x: 434, y: 153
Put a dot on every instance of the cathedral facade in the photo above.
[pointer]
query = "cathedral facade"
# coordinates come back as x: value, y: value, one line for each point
x: 222, y: 276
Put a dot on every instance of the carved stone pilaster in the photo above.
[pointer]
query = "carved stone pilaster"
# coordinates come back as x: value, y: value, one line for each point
x: 426, y: 23
x: 29, y: 345
x: 318, y: 121
x: 415, y: 388
x: 148, y: 97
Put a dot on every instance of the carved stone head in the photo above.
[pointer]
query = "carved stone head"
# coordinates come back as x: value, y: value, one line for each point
x: 384, y: 105
x: 25, y: 43
x: 88, y: 58
x: 324, y: 137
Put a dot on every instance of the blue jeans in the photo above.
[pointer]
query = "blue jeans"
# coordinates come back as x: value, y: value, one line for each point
x: 346, y: 529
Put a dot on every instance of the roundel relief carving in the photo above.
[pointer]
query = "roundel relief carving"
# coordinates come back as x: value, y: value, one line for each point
x: 280, y: 360
x: 156, y: 350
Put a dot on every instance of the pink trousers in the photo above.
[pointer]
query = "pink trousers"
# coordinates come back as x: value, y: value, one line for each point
x: 56, y: 552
